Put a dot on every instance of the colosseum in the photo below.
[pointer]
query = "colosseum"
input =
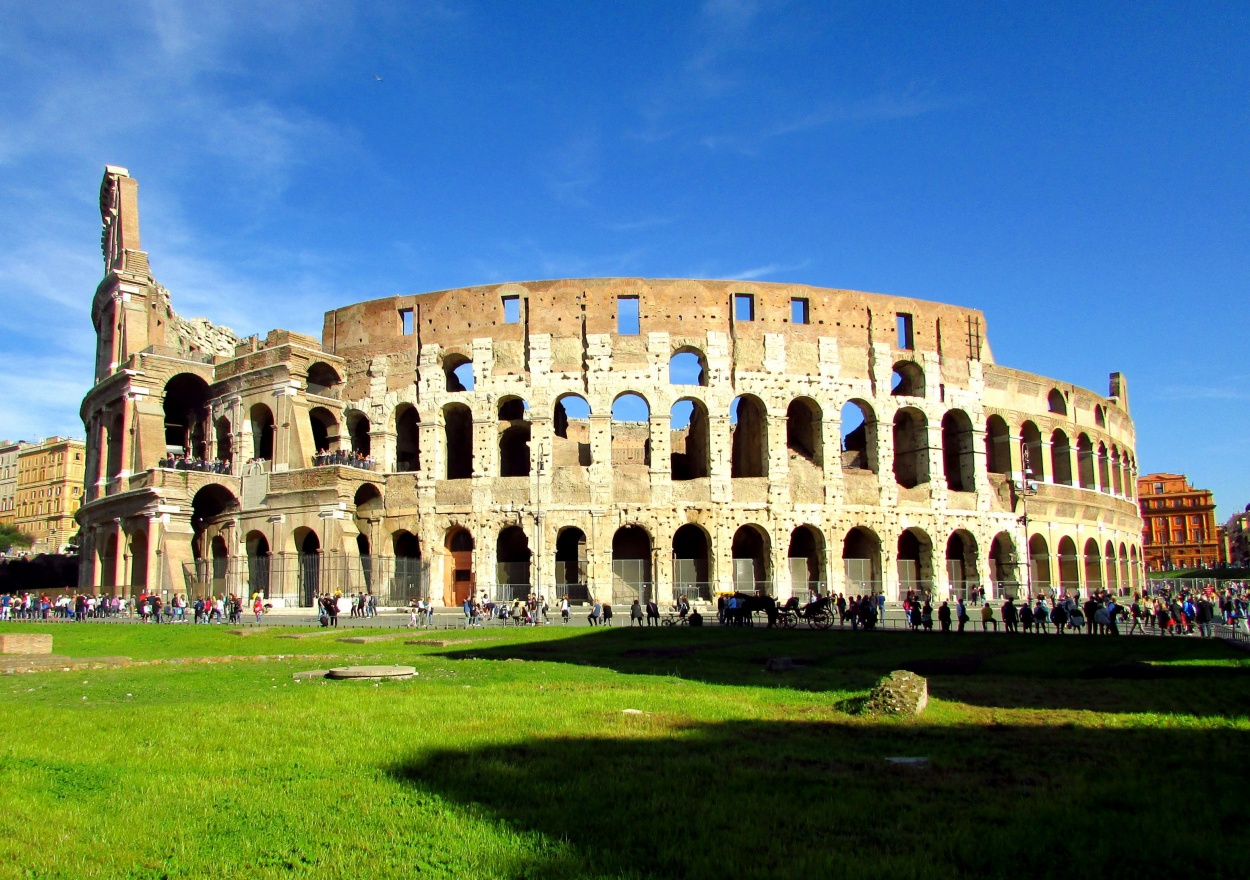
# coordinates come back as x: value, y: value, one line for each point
x: 605, y: 437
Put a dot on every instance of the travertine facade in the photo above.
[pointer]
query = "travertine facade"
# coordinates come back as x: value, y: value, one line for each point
x: 765, y: 435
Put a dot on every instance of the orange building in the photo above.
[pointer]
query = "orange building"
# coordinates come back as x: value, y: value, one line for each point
x: 1179, y: 528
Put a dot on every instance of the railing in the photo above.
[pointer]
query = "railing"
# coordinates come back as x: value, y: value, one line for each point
x: 343, y: 459
x: 174, y: 463
x: 298, y: 579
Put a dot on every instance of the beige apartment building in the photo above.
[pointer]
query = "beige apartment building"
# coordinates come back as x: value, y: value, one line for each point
x: 49, y: 492
x: 8, y: 480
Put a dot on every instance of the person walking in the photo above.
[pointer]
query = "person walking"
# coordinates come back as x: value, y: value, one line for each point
x: 564, y: 609
x: 961, y: 613
x: 258, y: 607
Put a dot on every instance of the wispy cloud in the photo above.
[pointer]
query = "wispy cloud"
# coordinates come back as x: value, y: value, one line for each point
x: 1201, y: 393
x: 757, y: 272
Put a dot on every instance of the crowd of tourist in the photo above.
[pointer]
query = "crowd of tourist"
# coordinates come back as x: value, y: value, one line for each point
x: 346, y: 458
x: 146, y: 607
x: 193, y: 463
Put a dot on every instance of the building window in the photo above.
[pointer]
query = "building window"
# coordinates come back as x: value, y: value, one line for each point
x: 405, y: 321
x: 744, y: 307
x: 799, y: 311
x: 906, y: 337
x: 512, y: 310
x: 628, y: 319
x: 1158, y: 488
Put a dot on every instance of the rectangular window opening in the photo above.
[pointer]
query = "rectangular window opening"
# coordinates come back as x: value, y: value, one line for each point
x: 906, y: 339
x: 744, y: 307
x: 627, y: 316
x: 405, y: 320
x: 799, y: 311
x: 512, y: 310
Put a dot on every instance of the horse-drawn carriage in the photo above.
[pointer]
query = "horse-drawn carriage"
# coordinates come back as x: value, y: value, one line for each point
x: 817, y: 614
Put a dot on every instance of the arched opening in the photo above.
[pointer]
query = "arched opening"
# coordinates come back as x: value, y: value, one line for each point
x: 325, y: 431
x: 1112, y: 576
x: 113, y: 441
x: 108, y: 562
x: 186, y: 415
x: 1069, y: 567
x: 514, y: 438
x: 138, y: 560
x: 915, y: 563
x: 997, y: 446
x: 571, y: 424
x: 358, y: 428
x: 1104, y: 469
x: 1061, y: 458
x: 692, y: 576
x: 1056, y: 402
x: 1005, y: 566
x: 408, y: 581
x: 859, y: 436
x: 687, y: 367
x: 807, y: 562
x: 958, y: 452
x: 212, y: 506
x: 803, y: 430
x: 1032, y: 459
x: 1093, y: 568
x: 908, y: 380
x: 221, y: 566
x: 689, y: 440
x: 572, y: 574
x: 225, y: 441
x: 1039, y: 560
x: 631, y: 566
x: 1117, y: 483
x: 861, y: 561
x: 1100, y: 416
x: 323, y: 380
x: 1085, y: 461
x: 261, y: 418
x: 369, y: 508
x: 407, y: 439
x: 458, y: 567
x: 1125, y: 578
x: 750, y: 560
x: 961, y: 565
x: 748, y: 425
x: 258, y: 557
x: 1134, y: 569
x: 459, y: 372
x: 631, y: 432
x: 512, y: 564
x: 309, y: 567
x: 911, y: 448
x: 458, y: 436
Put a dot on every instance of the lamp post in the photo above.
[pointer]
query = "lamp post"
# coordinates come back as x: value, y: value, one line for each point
x: 538, y: 536
x: 1026, y: 489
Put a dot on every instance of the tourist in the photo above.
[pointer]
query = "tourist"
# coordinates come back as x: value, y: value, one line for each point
x: 1011, y: 616
x: 258, y: 607
x: 607, y: 613
x: 635, y: 614
x: 961, y: 614
x: 564, y: 609
x: 987, y: 617
x: 926, y: 616
x: 653, y: 613
x: 596, y: 610
x: 944, y: 617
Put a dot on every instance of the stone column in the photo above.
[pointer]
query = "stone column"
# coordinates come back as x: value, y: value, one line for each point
x: 119, y: 560
x: 124, y: 465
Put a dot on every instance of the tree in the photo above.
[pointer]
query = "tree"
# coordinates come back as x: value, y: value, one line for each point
x: 11, y: 537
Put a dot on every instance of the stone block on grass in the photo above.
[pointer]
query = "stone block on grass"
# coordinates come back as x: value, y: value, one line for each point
x: 899, y: 693
x: 25, y: 643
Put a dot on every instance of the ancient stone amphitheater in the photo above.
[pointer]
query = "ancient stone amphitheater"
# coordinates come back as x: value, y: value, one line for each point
x: 607, y: 437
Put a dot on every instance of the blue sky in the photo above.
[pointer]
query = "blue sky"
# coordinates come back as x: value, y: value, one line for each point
x: 1075, y: 170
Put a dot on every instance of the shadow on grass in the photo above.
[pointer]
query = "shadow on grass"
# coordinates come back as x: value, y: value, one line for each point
x: 794, y: 799
x: 1100, y: 674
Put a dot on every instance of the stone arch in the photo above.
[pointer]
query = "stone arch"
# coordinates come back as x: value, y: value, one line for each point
x: 138, y: 559
x: 409, y: 579
x: 907, y: 380
x: 997, y: 446
x: 1117, y: 482
x: 514, y: 438
x: 1112, y: 572
x: 689, y: 440
x: 108, y: 550
x: 323, y: 380
x: 859, y: 436
x: 1005, y: 566
x: 1056, y: 402
x: 1033, y: 461
x: 458, y: 370
x: 458, y: 576
x: 631, y: 431
x: 512, y: 562
x: 325, y: 429
x: 748, y: 425
x: 261, y: 417
x: 1061, y: 458
x: 1093, y: 567
x: 687, y: 366
x: 962, y: 570
x: 1125, y: 582
x: 407, y: 438
x: 751, y: 557
x: 211, y: 507
x: 358, y: 428
x: 185, y: 405
x: 572, y: 565
x: 308, y: 570
x: 806, y: 558
x: 225, y: 440
x: 571, y: 427
x: 1104, y: 469
x: 631, y: 565
x: 692, y: 562
x: 1069, y: 566
x: 804, y: 430
x: 861, y: 561
x: 1039, y: 562
x: 1085, y: 462
x: 915, y: 562
x: 458, y: 441
x: 958, y: 451
x: 911, y: 447
x: 256, y: 544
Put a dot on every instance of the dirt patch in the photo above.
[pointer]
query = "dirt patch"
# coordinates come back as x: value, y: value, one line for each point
x: 439, y: 643
x: 368, y: 640
x: 256, y: 630
x: 68, y: 664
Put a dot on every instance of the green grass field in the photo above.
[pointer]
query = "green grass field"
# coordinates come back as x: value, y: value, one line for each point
x: 513, y: 757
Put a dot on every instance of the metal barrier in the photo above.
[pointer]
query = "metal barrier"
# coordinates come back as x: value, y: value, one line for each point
x: 298, y: 579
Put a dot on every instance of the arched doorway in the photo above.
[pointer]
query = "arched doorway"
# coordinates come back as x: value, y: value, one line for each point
x: 138, y: 561
x: 257, y: 564
x: 458, y: 441
x: 514, y: 438
x: 407, y: 439
x: 631, y: 566
x: 911, y: 448
x: 261, y: 418
x: 186, y: 415
x: 572, y: 578
x: 859, y: 437
x: 1005, y: 567
x: 958, y: 452
x: 512, y: 564
x: 804, y: 422
x: 748, y: 423
x: 458, y: 583
x: 1069, y: 567
x: 807, y: 562
x: 961, y: 565
x: 689, y: 440
x: 915, y: 563
x: 691, y: 567
x: 997, y: 446
x: 409, y: 578
x: 1039, y: 559
x: 861, y: 562
x: 1093, y: 568
x: 750, y: 560
x: 309, y: 547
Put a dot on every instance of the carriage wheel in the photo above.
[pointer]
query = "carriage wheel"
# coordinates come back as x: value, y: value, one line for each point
x: 821, y: 620
x: 790, y: 621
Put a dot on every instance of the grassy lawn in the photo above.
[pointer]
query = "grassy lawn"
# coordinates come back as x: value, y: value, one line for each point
x: 512, y: 756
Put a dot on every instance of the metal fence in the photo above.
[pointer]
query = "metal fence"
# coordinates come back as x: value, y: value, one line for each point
x: 298, y: 579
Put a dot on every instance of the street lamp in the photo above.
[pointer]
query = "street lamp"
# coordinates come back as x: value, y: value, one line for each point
x: 538, y: 536
x: 1026, y: 489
